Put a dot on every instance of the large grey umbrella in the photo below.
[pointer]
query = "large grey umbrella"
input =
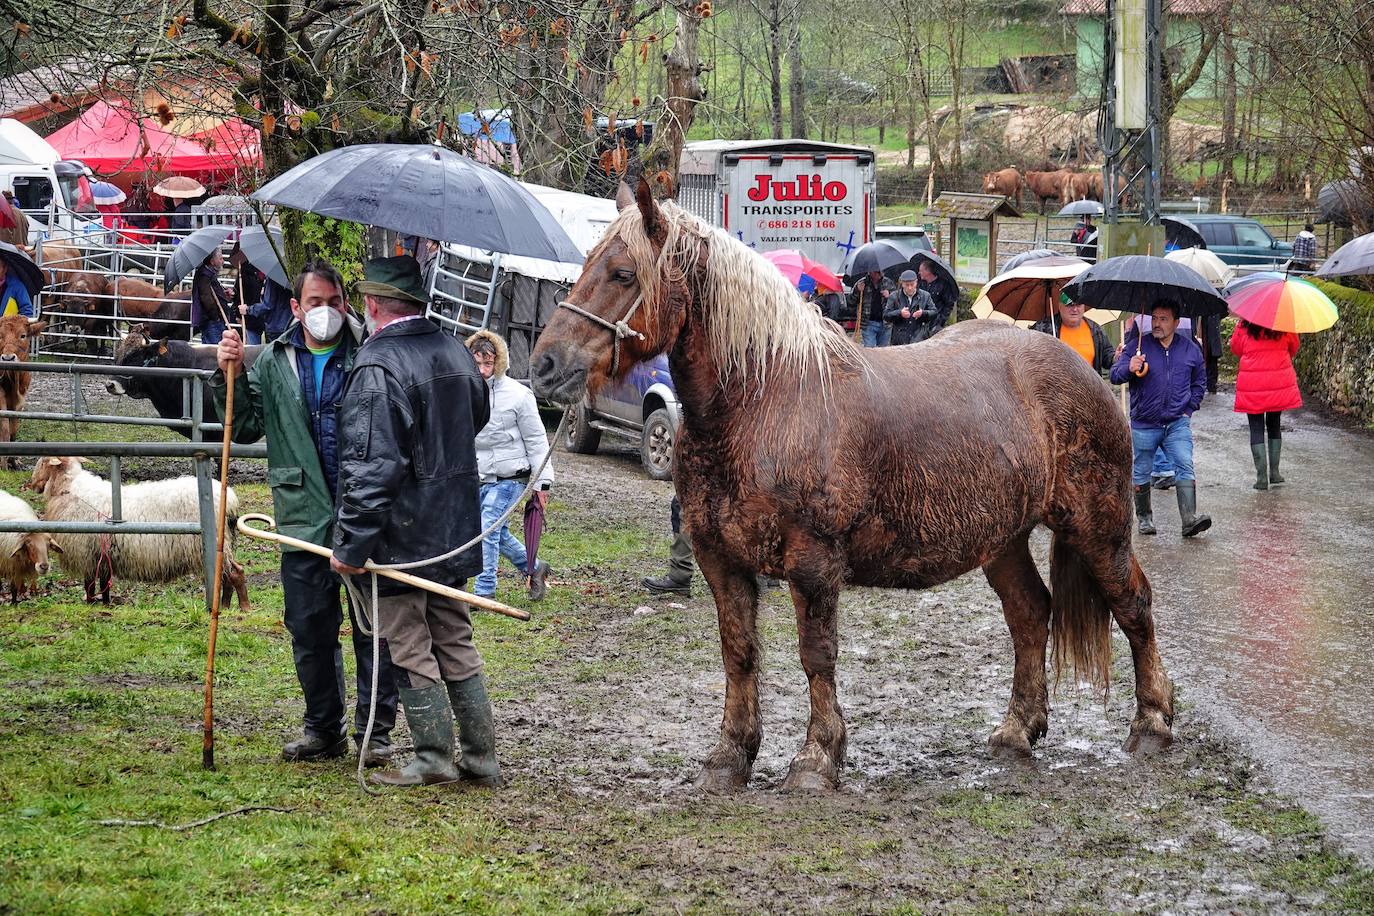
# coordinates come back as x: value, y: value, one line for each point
x: 192, y: 252
x: 1180, y: 233
x: 424, y: 190
x: 1136, y: 283
x: 875, y: 257
x: 1344, y: 203
x: 1354, y: 258
x: 1081, y: 207
x: 259, y: 251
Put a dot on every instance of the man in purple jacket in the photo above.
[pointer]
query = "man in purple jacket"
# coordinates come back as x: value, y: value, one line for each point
x: 1167, y: 381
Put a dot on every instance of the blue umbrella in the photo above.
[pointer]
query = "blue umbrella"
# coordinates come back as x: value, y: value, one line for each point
x: 104, y: 194
x: 262, y: 254
x: 192, y: 252
x: 424, y: 190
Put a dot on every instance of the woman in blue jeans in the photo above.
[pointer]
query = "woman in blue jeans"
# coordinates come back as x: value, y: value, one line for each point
x: 510, y: 448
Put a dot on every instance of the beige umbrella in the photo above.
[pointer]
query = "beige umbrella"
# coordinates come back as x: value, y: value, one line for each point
x: 1213, y: 269
x: 178, y: 187
x: 1029, y: 293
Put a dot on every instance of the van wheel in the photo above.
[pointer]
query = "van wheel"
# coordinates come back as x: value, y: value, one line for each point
x: 656, y: 445
x: 581, y: 438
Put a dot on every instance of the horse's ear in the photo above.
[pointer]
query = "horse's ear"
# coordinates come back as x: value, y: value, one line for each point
x: 624, y: 197
x: 644, y: 197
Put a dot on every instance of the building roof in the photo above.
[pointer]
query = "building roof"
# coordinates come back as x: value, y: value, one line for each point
x: 1175, y: 7
x: 49, y: 90
x: 970, y: 206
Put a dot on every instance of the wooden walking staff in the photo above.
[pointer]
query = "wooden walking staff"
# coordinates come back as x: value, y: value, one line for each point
x: 207, y: 747
x: 486, y: 604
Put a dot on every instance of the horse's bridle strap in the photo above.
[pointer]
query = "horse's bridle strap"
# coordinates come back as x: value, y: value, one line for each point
x: 620, y: 329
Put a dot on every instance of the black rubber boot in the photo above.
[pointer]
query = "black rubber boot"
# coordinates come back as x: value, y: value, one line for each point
x: 315, y: 747
x: 1144, y: 517
x: 1261, y: 466
x: 1193, y: 524
x: 431, y: 728
x: 476, y: 732
x: 678, y: 581
x: 1275, y: 449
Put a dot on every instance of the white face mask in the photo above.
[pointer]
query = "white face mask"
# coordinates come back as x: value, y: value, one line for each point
x: 324, y: 323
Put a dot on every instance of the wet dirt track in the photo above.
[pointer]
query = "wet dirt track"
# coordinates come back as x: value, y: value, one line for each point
x: 1267, y: 617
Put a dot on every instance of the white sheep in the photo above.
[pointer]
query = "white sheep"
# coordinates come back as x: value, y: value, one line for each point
x: 75, y: 494
x: 23, y: 556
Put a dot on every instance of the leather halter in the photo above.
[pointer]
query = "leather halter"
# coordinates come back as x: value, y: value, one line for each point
x: 619, y: 330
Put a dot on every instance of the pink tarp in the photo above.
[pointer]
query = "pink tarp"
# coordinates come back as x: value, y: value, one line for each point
x: 110, y: 139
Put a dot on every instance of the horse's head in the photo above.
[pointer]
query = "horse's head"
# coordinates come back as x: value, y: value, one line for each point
x: 627, y: 306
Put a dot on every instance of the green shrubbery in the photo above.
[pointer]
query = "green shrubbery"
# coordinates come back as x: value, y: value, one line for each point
x: 1337, y: 365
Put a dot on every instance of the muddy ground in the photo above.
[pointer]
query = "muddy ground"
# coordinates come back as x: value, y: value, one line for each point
x: 602, y: 741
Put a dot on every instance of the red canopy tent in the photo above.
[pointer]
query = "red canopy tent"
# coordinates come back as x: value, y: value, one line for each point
x: 111, y: 139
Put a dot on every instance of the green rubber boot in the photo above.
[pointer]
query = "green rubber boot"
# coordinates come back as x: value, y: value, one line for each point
x: 1261, y: 466
x: 1275, y: 449
x: 476, y: 732
x: 1144, y: 517
x: 431, y: 728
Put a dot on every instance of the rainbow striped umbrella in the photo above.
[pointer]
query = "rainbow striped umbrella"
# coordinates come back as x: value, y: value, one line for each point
x: 1280, y: 304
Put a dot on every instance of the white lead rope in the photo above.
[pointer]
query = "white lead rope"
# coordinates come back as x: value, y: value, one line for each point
x: 370, y: 623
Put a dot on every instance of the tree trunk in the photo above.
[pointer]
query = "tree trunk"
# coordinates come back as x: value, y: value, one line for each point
x: 683, y: 70
x: 774, y: 24
x: 1228, y: 103
x: 796, y: 85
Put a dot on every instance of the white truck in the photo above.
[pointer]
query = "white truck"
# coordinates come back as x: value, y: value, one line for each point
x: 817, y: 198
x: 45, y: 186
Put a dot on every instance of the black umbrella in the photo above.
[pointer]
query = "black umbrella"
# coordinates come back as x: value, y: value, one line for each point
x: 875, y: 257
x: 192, y: 251
x: 939, y: 265
x: 1137, y: 283
x: 22, y: 266
x: 424, y: 190
x: 1353, y: 258
x: 1179, y: 233
x: 259, y: 251
x: 1034, y: 254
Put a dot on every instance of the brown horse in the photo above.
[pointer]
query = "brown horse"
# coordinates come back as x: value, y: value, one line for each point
x: 805, y: 458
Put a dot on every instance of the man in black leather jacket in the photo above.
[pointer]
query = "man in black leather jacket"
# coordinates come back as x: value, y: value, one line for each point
x: 408, y: 490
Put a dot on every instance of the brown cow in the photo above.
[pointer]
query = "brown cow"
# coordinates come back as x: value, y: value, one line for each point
x: 15, y: 333
x: 1006, y: 182
x: 1082, y: 186
x: 1046, y: 185
x: 139, y: 301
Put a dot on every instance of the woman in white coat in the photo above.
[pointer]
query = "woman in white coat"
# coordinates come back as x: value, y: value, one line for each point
x: 509, y: 448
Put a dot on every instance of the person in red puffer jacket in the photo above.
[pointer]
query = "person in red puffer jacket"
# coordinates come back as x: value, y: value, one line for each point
x: 1266, y: 385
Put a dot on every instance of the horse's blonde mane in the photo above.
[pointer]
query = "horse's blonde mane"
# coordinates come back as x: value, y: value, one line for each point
x: 754, y: 317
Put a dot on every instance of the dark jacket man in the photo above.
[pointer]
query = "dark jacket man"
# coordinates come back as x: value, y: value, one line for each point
x: 1174, y: 385
x: 870, y: 297
x: 943, y: 293
x: 917, y: 305
x: 408, y: 491
x: 1104, y: 354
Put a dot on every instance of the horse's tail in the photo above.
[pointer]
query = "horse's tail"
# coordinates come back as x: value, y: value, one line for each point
x: 1080, y: 620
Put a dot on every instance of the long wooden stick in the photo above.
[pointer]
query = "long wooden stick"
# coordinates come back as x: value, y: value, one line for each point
x: 207, y: 746
x: 486, y: 604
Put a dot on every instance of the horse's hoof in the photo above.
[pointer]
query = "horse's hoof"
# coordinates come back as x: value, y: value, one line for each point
x: 1008, y: 744
x: 721, y: 780
x: 806, y: 779
x: 1149, y: 743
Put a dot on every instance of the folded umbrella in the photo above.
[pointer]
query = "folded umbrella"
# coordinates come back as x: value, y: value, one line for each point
x: 262, y: 254
x: 534, y: 529
x: 192, y: 252
x: 1137, y: 283
x: 1284, y: 304
x: 797, y: 268
x: 424, y: 190
x: 1354, y: 258
x: 22, y: 266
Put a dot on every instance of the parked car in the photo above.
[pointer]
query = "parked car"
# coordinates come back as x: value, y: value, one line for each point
x: 644, y: 406
x: 1240, y: 240
x: 910, y: 238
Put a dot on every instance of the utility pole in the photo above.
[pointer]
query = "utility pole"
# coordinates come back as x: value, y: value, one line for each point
x: 1129, y: 127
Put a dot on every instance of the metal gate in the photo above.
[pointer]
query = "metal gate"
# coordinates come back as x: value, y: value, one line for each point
x: 202, y: 450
